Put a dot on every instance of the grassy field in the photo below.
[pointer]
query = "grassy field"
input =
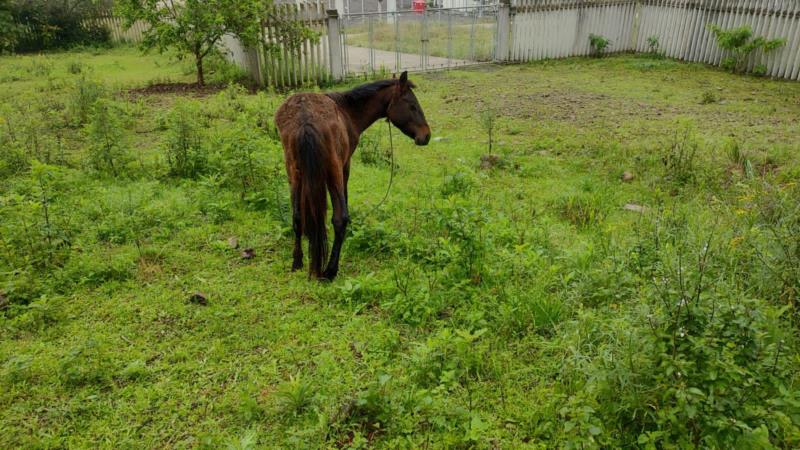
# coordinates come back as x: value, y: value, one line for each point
x: 621, y: 272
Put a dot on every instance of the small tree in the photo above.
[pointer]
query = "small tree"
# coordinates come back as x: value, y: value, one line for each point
x: 107, y: 150
x: 741, y: 43
x: 194, y: 27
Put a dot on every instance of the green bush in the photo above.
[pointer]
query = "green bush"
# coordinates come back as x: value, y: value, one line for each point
x: 44, y: 25
x: 598, y: 44
x: 107, y: 148
x: 82, y: 99
x: 740, y: 44
x: 184, y: 146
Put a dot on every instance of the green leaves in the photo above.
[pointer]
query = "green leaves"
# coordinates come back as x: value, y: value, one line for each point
x: 741, y: 44
x: 195, y: 27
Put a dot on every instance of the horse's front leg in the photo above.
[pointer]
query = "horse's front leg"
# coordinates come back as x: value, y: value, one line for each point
x: 341, y: 218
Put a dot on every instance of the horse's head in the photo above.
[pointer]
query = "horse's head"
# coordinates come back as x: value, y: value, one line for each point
x: 406, y: 114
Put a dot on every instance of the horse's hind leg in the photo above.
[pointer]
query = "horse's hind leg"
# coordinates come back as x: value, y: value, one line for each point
x: 341, y: 218
x: 297, y: 256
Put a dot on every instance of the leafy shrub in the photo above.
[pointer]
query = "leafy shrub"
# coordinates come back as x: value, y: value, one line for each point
x: 679, y: 156
x: 685, y: 367
x: 740, y: 43
x: 461, y: 244
x: 223, y: 71
x: 75, y: 67
x: 770, y: 240
x: 187, y: 156
x: 450, y: 358
x: 82, y: 100
x: 44, y: 25
x: 107, y: 150
x: 598, y: 44
x: 9, y: 28
x: 459, y: 183
x: 35, y: 222
x: 372, y: 152
x: 212, y: 201
x: 243, y: 158
x: 708, y: 98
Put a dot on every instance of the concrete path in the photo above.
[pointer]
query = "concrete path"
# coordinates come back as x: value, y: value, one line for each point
x: 358, y: 60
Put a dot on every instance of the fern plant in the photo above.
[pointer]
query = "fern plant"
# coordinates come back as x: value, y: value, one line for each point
x: 741, y: 44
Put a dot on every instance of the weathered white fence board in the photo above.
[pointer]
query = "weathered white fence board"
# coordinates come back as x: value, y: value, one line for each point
x: 116, y: 28
x: 282, y: 63
x: 560, y: 28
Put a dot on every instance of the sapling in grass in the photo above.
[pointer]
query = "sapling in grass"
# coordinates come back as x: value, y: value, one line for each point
x: 740, y: 44
x: 488, y: 122
x: 186, y: 154
x: 107, y: 150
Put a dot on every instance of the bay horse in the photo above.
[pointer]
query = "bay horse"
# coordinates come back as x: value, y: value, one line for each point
x: 319, y: 133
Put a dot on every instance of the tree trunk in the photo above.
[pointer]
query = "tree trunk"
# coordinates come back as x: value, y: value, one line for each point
x: 199, y: 61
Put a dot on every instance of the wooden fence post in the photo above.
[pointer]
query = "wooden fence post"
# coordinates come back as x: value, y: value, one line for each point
x: 335, y: 45
x: 637, y: 17
x: 503, y: 31
x: 253, y: 63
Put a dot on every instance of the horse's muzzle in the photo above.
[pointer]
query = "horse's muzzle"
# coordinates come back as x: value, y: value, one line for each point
x: 423, y: 139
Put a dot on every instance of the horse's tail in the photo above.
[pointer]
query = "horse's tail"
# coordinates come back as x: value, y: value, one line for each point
x: 313, y: 201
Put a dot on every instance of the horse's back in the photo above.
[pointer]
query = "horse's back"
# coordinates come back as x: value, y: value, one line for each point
x: 307, y: 109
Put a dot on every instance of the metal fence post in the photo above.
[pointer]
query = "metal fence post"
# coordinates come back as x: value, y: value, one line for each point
x: 503, y: 31
x: 335, y: 45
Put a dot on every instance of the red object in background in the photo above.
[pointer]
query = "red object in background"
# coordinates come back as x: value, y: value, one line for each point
x: 418, y: 5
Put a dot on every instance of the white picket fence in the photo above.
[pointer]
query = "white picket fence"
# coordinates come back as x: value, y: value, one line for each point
x: 530, y: 30
x: 116, y: 27
x: 560, y: 28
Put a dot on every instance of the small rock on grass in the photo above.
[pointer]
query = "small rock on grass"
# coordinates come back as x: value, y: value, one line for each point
x: 199, y: 298
x: 489, y: 161
x: 233, y: 242
x: 627, y: 176
x: 248, y: 253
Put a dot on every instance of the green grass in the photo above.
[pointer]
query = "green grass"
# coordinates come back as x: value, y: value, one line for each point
x: 519, y: 306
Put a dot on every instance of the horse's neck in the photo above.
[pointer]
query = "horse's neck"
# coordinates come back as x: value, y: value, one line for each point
x: 363, y: 113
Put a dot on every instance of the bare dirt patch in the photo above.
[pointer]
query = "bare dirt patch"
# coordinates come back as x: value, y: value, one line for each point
x: 178, y: 88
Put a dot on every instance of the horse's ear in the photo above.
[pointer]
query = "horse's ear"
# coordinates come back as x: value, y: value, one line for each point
x: 404, y: 77
x: 394, y: 76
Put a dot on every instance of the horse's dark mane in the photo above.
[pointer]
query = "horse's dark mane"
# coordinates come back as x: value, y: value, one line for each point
x: 361, y: 93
